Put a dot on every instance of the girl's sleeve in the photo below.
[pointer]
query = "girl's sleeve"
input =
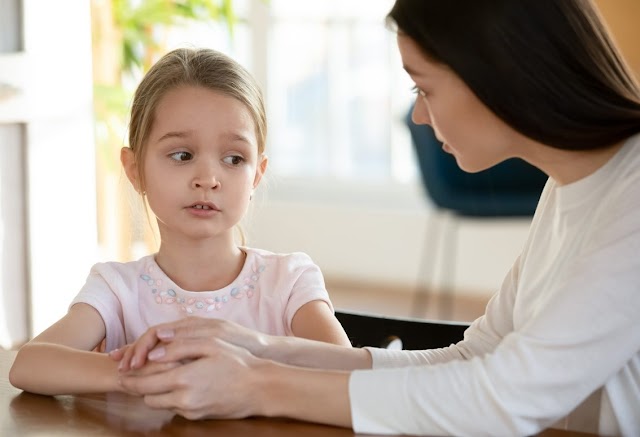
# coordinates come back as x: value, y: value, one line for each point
x: 306, y: 284
x: 99, y: 293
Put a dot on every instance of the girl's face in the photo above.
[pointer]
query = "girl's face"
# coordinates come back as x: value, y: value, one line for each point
x: 201, y: 163
x: 468, y: 129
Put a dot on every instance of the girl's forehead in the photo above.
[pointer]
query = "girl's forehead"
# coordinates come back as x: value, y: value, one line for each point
x: 191, y: 112
x: 193, y: 104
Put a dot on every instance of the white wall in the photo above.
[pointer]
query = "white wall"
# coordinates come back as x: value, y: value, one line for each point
x: 376, y: 236
x: 53, y: 225
x: 61, y: 155
x: 13, y: 262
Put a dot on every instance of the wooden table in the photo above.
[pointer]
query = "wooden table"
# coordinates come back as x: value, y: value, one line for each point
x: 114, y: 414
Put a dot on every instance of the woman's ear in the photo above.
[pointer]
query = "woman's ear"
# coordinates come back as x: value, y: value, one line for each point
x: 128, y: 160
x: 260, y: 170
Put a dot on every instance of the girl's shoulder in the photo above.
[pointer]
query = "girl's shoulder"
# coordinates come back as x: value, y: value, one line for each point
x: 125, y: 270
x: 262, y: 259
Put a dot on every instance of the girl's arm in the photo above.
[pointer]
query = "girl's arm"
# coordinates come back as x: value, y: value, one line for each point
x: 315, y: 321
x: 59, y: 360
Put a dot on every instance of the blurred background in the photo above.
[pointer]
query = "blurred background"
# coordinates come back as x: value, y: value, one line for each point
x: 343, y: 184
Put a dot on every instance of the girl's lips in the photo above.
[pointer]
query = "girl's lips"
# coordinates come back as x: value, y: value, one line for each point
x: 203, y: 209
x: 199, y: 210
x: 205, y: 206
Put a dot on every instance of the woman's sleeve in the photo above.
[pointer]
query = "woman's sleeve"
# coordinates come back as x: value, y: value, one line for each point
x: 579, y: 337
x: 484, y: 334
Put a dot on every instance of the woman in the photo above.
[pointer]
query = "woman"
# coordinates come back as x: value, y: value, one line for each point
x: 559, y: 344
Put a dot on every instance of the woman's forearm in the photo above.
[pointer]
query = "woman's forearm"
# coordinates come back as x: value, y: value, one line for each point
x: 287, y: 350
x: 319, y: 396
x: 314, y: 354
x: 53, y: 369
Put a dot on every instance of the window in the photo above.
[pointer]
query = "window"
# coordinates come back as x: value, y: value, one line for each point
x: 336, y: 93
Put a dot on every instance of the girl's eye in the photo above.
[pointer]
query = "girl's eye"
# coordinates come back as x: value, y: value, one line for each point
x: 234, y: 160
x: 181, y: 156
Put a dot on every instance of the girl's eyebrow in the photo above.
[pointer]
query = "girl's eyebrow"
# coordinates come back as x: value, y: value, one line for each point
x: 175, y: 134
x: 230, y: 136
x: 233, y: 136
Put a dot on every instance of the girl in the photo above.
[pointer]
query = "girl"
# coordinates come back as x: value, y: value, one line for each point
x: 197, y: 138
x: 559, y: 343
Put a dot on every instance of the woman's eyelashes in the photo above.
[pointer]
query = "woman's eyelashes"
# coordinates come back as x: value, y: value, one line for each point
x: 420, y: 91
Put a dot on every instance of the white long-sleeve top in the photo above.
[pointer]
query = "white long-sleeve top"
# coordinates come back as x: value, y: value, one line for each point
x: 558, y: 344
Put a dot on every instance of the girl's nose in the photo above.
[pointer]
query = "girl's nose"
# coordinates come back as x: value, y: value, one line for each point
x: 206, y: 180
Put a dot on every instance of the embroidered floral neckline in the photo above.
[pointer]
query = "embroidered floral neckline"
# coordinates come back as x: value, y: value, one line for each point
x: 243, y: 286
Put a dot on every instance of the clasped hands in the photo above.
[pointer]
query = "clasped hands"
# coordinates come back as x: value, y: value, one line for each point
x: 198, y: 368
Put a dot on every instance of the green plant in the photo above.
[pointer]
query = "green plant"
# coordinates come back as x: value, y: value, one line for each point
x: 139, y: 20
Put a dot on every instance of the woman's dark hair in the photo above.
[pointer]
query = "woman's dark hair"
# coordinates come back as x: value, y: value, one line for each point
x: 548, y: 68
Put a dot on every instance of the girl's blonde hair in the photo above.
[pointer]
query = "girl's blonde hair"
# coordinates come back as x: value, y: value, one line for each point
x: 204, y: 68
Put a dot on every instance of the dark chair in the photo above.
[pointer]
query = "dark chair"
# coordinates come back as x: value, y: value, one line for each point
x: 398, y: 333
x: 509, y: 189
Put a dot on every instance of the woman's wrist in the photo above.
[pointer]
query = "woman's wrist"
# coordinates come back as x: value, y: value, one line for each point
x: 321, y: 396
x: 275, y: 348
x: 306, y: 353
x: 266, y: 383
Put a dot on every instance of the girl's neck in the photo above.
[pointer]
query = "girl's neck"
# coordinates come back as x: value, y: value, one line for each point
x: 203, y: 267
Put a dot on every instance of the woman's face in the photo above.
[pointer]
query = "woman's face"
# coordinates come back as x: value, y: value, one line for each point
x: 468, y: 129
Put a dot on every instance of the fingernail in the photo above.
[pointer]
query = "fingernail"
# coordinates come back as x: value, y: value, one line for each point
x: 156, y: 353
x: 165, y: 333
x: 113, y: 352
x: 121, y: 365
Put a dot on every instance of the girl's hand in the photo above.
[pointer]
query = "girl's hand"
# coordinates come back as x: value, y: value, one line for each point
x: 117, y: 354
x: 135, y: 355
x: 219, y: 380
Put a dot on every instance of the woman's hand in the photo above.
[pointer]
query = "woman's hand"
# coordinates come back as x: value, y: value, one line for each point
x: 218, y: 380
x: 135, y: 356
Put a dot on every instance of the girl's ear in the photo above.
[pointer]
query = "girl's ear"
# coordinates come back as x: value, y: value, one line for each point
x: 260, y: 170
x: 128, y: 160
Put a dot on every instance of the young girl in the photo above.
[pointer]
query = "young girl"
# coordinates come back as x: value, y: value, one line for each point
x: 197, y: 139
x: 559, y: 343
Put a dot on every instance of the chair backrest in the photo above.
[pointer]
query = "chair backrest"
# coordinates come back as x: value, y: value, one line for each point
x: 414, y: 334
x: 511, y: 188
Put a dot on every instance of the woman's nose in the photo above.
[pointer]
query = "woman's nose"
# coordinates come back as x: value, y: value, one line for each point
x: 420, y: 114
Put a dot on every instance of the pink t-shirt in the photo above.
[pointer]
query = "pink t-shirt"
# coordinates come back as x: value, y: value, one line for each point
x: 133, y: 296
